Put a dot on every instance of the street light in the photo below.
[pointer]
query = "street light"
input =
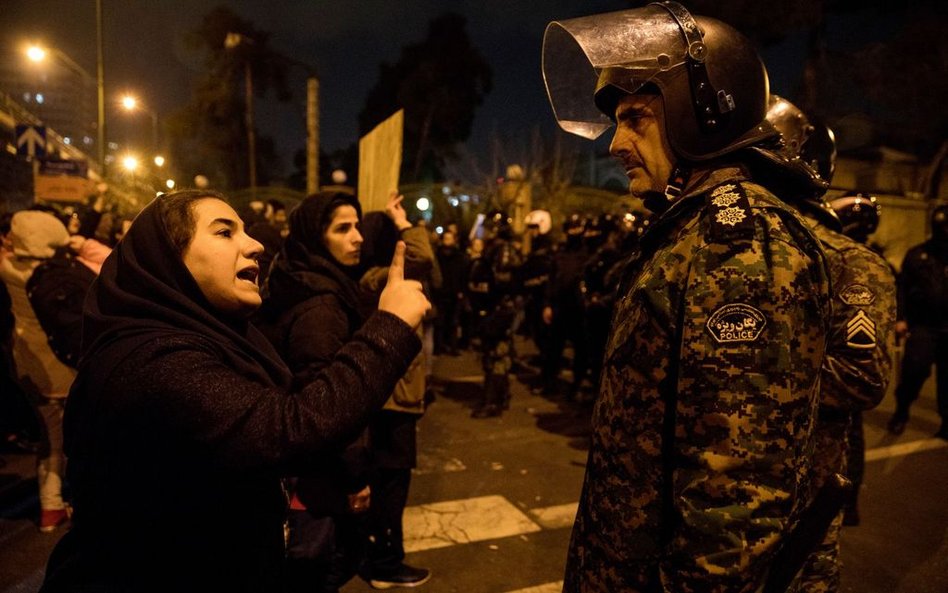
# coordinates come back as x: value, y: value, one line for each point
x: 37, y: 53
x: 159, y: 161
x: 131, y: 104
x: 130, y: 163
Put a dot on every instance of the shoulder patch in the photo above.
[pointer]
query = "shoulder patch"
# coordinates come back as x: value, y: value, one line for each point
x: 729, y: 211
x: 736, y: 322
x: 857, y: 294
x: 861, y: 332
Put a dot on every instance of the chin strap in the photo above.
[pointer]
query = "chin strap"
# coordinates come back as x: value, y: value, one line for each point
x: 659, y: 202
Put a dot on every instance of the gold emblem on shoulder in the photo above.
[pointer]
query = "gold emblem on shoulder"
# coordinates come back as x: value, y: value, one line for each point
x: 730, y: 216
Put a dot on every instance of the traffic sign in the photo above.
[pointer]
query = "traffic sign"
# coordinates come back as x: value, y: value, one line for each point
x: 31, y: 140
x: 73, y: 168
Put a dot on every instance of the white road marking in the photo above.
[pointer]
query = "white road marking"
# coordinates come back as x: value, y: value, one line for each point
x: 904, y: 449
x: 555, y: 517
x: 442, y: 524
x: 545, y: 588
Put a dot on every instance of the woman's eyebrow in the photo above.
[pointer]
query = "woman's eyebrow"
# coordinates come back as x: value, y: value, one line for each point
x: 230, y: 223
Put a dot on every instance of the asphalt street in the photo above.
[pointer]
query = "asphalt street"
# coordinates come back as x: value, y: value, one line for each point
x: 492, y: 500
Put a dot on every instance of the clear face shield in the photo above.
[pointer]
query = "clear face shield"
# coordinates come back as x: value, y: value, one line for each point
x: 624, y: 50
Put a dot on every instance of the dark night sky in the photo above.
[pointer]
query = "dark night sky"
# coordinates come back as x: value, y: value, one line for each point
x: 344, y: 39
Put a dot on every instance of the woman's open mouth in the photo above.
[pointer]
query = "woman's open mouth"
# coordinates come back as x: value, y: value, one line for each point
x: 249, y: 274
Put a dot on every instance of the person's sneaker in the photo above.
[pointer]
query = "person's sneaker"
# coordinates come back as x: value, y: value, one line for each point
x: 403, y: 576
x: 51, y: 519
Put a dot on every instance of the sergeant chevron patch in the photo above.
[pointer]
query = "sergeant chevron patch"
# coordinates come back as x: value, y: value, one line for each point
x: 861, y: 332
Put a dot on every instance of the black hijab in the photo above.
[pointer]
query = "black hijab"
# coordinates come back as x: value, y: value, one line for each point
x: 145, y: 292
x: 305, y: 267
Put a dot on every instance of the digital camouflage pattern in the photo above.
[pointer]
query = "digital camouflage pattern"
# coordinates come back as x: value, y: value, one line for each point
x: 855, y: 374
x: 704, y: 511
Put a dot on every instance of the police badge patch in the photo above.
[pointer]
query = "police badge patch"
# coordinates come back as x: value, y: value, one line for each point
x: 861, y: 332
x: 736, y: 322
x: 857, y: 294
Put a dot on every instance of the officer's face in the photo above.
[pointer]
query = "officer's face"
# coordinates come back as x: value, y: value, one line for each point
x: 641, y: 144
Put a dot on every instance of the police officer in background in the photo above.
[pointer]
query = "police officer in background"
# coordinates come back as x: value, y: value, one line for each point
x: 563, y: 312
x: 858, y: 361
x: 923, y: 294
x: 493, y: 285
x: 701, y: 435
x: 602, y: 240
x: 859, y: 214
x: 536, y: 275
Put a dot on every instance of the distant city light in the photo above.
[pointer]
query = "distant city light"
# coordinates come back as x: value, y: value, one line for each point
x: 67, y: 140
x: 129, y: 102
x: 423, y: 204
x: 86, y: 140
x: 446, y: 190
x: 454, y: 201
x: 40, y: 98
x: 159, y: 161
x: 169, y: 184
x: 439, y: 229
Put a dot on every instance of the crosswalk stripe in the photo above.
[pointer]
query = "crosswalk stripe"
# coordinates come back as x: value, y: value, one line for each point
x: 555, y: 517
x: 545, y: 588
x: 902, y: 449
x: 447, y: 523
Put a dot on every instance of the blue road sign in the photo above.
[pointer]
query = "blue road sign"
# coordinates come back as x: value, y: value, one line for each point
x: 31, y: 140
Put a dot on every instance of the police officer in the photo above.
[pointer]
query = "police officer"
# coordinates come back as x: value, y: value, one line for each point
x: 859, y: 214
x: 858, y: 362
x: 596, y: 289
x: 923, y: 292
x: 701, y: 430
x: 493, y: 285
x: 563, y: 312
x: 536, y: 276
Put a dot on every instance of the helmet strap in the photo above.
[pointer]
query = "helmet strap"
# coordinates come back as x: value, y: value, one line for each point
x: 659, y: 202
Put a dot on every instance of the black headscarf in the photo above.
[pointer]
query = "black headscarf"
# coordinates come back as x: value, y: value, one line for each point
x: 305, y: 267
x: 145, y: 292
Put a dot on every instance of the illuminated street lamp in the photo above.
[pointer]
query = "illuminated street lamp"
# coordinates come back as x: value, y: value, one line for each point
x: 131, y: 104
x: 130, y: 163
x: 37, y: 53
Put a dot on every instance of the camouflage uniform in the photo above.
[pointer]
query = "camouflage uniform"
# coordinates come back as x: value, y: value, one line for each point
x: 855, y: 374
x: 492, y: 287
x: 723, y: 315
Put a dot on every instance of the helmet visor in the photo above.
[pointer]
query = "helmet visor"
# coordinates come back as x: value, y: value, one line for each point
x: 623, y: 50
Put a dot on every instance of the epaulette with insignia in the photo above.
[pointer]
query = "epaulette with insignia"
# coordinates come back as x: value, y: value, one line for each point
x: 729, y: 213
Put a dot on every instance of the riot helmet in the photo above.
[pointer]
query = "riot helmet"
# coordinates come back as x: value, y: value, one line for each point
x: 598, y: 229
x: 859, y: 213
x: 710, y: 78
x: 539, y: 220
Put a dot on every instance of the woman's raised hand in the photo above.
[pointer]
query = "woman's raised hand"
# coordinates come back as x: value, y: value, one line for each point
x: 395, y: 211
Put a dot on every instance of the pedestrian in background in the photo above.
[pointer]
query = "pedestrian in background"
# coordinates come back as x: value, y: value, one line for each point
x: 36, y: 236
x: 313, y: 306
x: 392, y: 430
